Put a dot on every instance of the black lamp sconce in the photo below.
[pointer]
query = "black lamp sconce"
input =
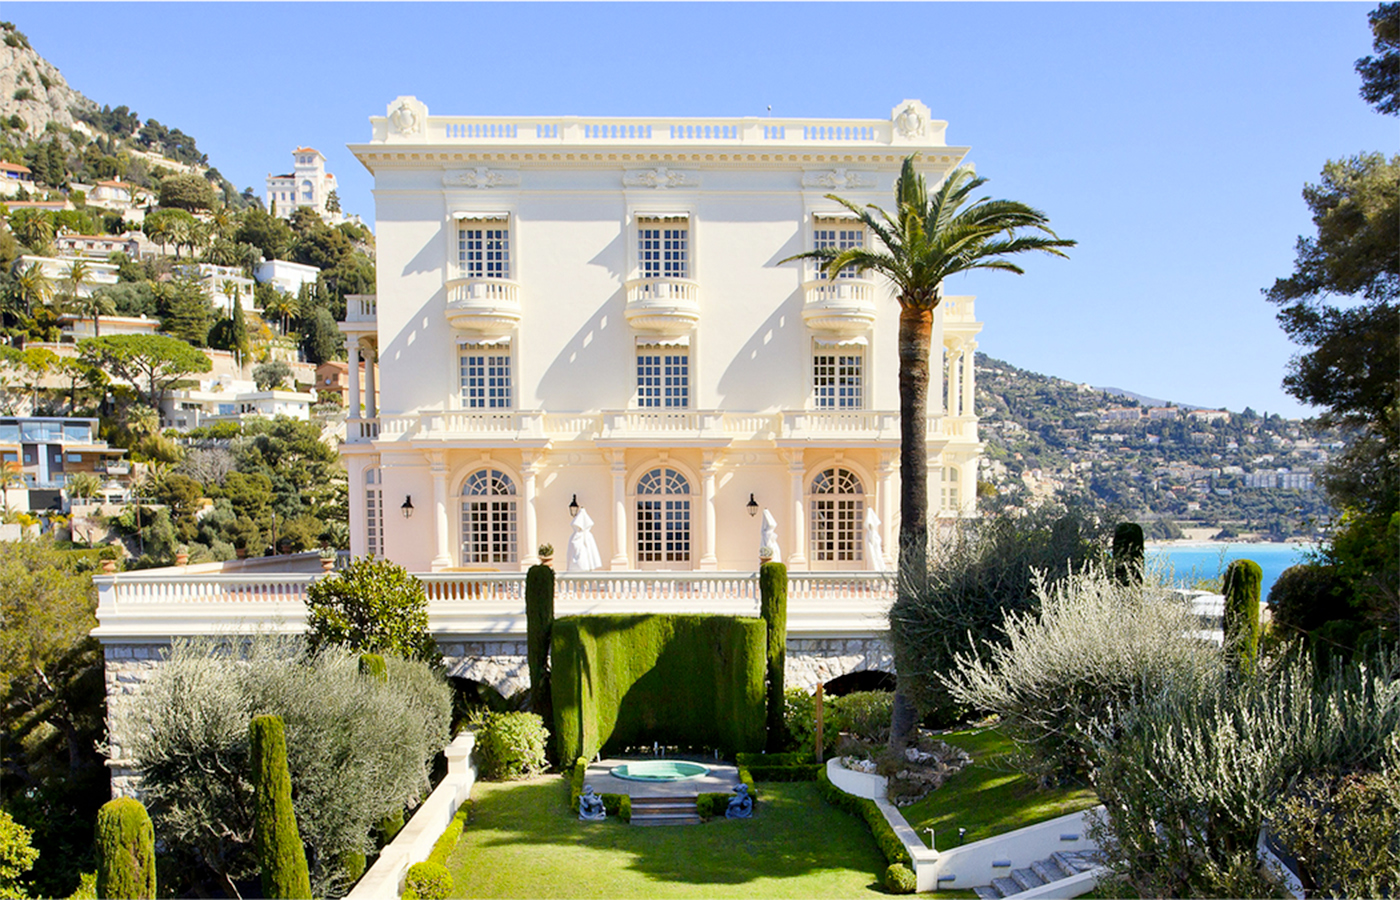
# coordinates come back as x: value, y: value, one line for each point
x: 407, y: 508
x: 752, y: 506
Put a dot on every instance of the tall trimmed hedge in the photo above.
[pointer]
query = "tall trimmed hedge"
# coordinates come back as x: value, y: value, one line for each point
x: 1243, y: 578
x: 126, y: 851
x: 277, y: 843
x: 539, y: 621
x: 628, y: 680
x: 772, y: 590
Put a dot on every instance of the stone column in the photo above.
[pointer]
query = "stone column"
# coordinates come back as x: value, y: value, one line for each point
x: 954, y: 391
x: 443, y: 559
x: 797, y: 558
x: 619, y: 492
x: 885, y: 472
x: 969, y: 379
x: 371, y: 392
x: 352, y: 406
x: 529, y: 467
x: 355, y: 473
x: 708, y: 562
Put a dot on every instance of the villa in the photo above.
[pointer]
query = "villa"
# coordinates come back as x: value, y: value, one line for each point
x: 308, y: 184
x: 595, y: 313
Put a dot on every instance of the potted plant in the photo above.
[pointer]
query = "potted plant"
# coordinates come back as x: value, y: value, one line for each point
x: 765, y: 554
x: 182, y: 555
x: 546, y: 554
x: 327, y: 553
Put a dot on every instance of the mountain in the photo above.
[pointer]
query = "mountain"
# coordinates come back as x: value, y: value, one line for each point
x: 32, y: 88
x: 1142, y: 399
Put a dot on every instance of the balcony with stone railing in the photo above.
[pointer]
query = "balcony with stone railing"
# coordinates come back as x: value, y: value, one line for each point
x: 488, y: 307
x: 665, y: 307
x: 840, y: 308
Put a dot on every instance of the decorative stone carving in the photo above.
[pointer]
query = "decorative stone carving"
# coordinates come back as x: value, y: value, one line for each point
x: 740, y: 805
x: 659, y: 178
x: 910, y: 119
x: 481, y: 177
x: 407, y: 116
x: 590, y: 806
x: 837, y: 179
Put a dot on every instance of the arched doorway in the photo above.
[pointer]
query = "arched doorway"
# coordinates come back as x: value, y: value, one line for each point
x: 489, y: 516
x: 836, y: 502
x: 663, y: 520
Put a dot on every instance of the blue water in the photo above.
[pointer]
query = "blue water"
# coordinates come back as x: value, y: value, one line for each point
x: 1203, y: 561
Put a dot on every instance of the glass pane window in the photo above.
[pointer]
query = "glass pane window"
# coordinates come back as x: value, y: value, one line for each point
x: 374, y: 514
x: 489, y: 518
x: 663, y: 379
x: 838, y: 517
x: 483, y: 250
x: 662, y: 250
x: 485, y: 378
x: 838, y: 236
x: 663, y: 518
x: 837, y: 380
x: 949, y: 498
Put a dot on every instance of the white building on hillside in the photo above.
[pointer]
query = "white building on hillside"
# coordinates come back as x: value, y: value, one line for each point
x: 595, y: 310
x: 222, y: 285
x: 287, y: 277
x: 308, y: 184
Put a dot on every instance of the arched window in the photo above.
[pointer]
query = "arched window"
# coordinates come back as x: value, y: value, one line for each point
x: 308, y: 193
x: 488, y: 518
x: 837, y: 504
x: 949, y: 498
x: 663, y: 519
x: 374, y: 513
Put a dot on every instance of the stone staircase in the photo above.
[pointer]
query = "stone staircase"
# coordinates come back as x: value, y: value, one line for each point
x: 664, y: 811
x: 1056, y: 866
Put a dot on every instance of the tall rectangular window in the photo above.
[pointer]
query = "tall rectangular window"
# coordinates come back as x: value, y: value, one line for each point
x: 838, y: 235
x: 485, y: 377
x: 663, y: 249
x: 483, y: 249
x: 663, y: 377
x: 837, y: 379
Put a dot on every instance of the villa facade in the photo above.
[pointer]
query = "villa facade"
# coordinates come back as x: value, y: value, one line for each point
x: 308, y: 184
x: 595, y: 313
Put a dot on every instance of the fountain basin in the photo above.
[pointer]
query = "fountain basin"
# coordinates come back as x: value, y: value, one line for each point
x: 659, y: 770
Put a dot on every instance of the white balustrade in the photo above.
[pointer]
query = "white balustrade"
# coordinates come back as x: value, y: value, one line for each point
x: 361, y: 308
x: 624, y: 587
x: 357, y: 430
x: 488, y: 290
x: 683, y: 290
x: 650, y: 131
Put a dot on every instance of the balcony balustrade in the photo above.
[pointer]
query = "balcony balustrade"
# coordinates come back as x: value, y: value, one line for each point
x: 361, y: 308
x: 489, y: 307
x: 665, y: 307
x: 842, y: 308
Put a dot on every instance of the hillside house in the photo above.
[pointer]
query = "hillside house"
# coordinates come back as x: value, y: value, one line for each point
x: 594, y: 313
x: 14, y: 178
x: 308, y: 184
x: 49, y: 452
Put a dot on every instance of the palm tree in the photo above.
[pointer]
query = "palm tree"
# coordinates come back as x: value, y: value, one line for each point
x: 281, y: 305
x: 77, y: 276
x: 926, y: 240
x: 91, y: 307
x: 32, y: 286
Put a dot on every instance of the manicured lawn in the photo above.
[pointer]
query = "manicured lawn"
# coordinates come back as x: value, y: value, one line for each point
x: 989, y: 797
x: 521, y: 842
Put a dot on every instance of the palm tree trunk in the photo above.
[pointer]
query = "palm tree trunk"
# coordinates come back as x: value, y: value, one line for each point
x: 915, y: 334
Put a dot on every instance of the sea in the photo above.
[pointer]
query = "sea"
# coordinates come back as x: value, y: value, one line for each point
x: 1190, y: 562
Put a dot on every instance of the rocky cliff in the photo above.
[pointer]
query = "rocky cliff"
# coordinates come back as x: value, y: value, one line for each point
x: 32, y: 88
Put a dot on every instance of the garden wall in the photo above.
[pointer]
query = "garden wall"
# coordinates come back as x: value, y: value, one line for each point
x: 629, y: 680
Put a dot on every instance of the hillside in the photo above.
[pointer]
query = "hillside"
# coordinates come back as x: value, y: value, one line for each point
x: 1170, y: 468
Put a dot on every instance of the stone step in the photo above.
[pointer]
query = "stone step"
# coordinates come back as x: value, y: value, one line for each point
x: 668, y: 818
x: 1048, y: 870
x: 1026, y: 878
x: 1005, y: 886
x: 664, y: 811
x: 1074, y: 861
x: 986, y: 892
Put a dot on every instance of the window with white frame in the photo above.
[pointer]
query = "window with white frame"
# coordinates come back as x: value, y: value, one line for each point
x: 663, y: 248
x: 484, y: 376
x: 949, y: 499
x: 838, y: 234
x: 663, y: 377
x: 488, y: 518
x: 374, y: 513
x: 663, y: 519
x: 483, y: 248
x: 838, y: 377
x: 837, y: 504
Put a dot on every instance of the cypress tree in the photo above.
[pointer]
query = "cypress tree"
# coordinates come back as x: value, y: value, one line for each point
x: 539, y: 624
x: 372, y: 664
x: 240, y: 333
x: 772, y: 589
x: 281, y: 856
x: 1242, y: 581
x: 126, y: 850
x: 1128, y: 553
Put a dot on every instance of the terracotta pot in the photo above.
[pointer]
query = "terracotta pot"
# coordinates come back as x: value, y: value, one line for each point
x: 109, y: 565
x: 182, y: 559
x: 546, y: 560
x: 327, y: 564
x: 241, y: 552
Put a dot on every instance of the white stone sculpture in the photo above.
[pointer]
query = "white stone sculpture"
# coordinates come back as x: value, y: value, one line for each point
x: 583, y: 549
x: 768, y: 537
x: 874, y: 544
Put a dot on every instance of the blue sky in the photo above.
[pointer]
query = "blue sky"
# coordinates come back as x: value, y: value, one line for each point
x: 1171, y: 140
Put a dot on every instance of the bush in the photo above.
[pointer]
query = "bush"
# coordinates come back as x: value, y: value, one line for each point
x: 712, y: 805
x: 372, y: 606
x: 16, y: 856
x: 885, y: 838
x: 1096, y: 647
x: 1306, y: 597
x: 281, y: 857
x: 619, y: 806
x: 358, y: 749
x: 511, y: 745
x: 126, y: 854
x: 800, y: 722
x: 1242, y: 580
x: 866, y: 714
x: 444, y: 845
x: 900, y: 879
x: 427, y: 881
x: 1128, y: 553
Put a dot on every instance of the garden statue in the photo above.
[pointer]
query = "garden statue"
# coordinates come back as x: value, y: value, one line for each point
x: 768, y: 536
x: 874, y: 544
x: 740, y: 805
x: 590, y: 806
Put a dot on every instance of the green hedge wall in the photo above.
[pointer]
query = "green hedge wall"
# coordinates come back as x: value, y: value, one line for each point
x: 885, y: 838
x: 629, y: 680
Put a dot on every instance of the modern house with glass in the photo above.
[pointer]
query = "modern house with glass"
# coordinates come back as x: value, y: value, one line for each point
x: 589, y: 313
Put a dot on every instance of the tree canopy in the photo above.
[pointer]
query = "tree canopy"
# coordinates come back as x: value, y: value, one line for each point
x: 157, y: 360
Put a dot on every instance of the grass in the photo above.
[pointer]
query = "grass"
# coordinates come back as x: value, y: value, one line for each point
x: 522, y: 842
x: 989, y: 797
